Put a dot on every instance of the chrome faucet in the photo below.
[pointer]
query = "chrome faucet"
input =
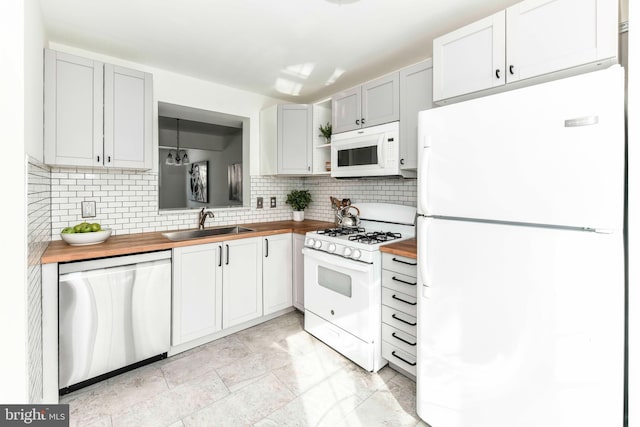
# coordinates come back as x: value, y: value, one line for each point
x: 203, y: 217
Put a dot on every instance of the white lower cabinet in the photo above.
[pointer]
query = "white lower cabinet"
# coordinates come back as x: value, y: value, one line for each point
x: 197, y: 292
x: 276, y: 273
x: 241, y: 281
x: 298, y: 271
x: 215, y: 286
x: 399, y: 304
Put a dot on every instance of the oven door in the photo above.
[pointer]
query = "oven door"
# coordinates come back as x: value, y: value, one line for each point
x: 343, y: 291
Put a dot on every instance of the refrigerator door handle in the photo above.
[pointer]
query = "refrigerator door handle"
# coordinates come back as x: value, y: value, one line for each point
x: 423, y: 167
x: 423, y: 231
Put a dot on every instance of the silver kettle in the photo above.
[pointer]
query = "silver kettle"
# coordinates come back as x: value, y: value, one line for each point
x: 346, y: 218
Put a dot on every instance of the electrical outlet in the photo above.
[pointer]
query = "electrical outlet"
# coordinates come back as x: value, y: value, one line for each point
x: 259, y: 203
x: 88, y: 209
x: 273, y: 202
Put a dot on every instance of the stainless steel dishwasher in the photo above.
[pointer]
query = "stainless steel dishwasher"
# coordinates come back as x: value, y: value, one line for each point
x: 113, y: 313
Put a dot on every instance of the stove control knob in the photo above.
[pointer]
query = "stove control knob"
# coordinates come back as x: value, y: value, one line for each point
x: 332, y: 247
x: 310, y: 242
x: 347, y: 251
x: 356, y: 254
x: 317, y: 244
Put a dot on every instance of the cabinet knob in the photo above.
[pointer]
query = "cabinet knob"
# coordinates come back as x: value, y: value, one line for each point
x: 108, y: 159
x: 362, y: 120
x: 511, y: 70
x: 402, y: 161
x: 358, y: 122
x: 497, y: 73
x: 98, y: 159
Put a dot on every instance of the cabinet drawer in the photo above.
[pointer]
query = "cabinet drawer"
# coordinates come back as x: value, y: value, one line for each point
x: 399, y: 339
x: 399, y: 301
x: 400, y: 264
x: 399, y: 282
x: 399, y: 320
x: 399, y: 358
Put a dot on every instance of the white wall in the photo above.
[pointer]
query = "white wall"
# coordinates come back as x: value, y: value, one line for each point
x: 188, y: 91
x: 13, y: 366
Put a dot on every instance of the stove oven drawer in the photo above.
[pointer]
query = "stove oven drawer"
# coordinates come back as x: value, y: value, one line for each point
x: 399, y: 301
x: 400, y: 264
x: 399, y: 320
x: 399, y: 358
x: 400, y: 282
x: 400, y: 339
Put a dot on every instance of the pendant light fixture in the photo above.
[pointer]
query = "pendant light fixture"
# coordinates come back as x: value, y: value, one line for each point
x: 181, y: 156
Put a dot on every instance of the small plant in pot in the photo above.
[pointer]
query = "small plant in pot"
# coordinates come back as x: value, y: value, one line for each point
x: 299, y: 200
x: 326, y: 131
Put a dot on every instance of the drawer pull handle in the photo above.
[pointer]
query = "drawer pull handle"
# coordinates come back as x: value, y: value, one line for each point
x: 393, y: 353
x: 404, y: 262
x: 401, y: 300
x: 402, y: 320
x: 393, y: 334
x: 403, y: 281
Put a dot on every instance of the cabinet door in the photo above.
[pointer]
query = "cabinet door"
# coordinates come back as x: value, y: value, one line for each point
x: 550, y: 35
x: 470, y: 58
x: 415, y: 95
x: 298, y: 271
x: 381, y: 100
x: 346, y: 110
x: 128, y: 123
x: 197, y: 292
x: 294, y: 139
x: 242, y: 281
x: 276, y: 273
x: 72, y: 110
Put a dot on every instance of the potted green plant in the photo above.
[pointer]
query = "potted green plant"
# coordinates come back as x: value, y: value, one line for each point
x: 299, y: 200
x: 326, y: 132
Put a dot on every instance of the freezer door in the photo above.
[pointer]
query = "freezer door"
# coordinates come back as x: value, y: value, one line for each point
x: 552, y: 153
x: 519, y: 326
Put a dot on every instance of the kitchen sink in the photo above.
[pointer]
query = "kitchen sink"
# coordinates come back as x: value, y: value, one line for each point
x: 207, y: 232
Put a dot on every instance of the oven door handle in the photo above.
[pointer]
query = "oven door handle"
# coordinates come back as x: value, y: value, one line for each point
x: 337, y: 260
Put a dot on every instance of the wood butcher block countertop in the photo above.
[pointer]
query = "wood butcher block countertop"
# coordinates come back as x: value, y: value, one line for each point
x: 406, y: 248
x: 125, y: 244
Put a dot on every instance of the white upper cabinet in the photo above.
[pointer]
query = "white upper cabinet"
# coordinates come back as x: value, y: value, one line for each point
x: 415, y: 95
x: 533, y: 38
x: 548, y: 35
x: 294, y: 139
x: 346, y: 110
x: 287, y: 142
x: 469, y: 59
x: 374, y: 103
x: 128, y: 118
x: 96, y: 114
x: 73, y: 101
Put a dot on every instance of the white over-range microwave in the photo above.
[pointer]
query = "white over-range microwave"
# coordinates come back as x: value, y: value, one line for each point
x: 373, y: 151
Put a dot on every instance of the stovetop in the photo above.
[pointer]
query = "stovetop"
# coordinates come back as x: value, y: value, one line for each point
x: 380, y: 224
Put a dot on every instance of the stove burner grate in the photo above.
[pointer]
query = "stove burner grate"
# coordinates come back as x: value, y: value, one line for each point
x: 375, y: 237
x: 340, y: 231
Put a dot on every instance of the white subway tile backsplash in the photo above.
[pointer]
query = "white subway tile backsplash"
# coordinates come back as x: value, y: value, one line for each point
x: 127, y: 201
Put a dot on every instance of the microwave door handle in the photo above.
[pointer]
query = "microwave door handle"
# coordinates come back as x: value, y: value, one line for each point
x: 381, y: 151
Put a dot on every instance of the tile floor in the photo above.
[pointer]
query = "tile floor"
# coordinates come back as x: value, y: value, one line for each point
x: 274, y: 374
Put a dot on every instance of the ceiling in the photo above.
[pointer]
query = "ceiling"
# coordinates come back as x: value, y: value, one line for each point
x: 295, y: 50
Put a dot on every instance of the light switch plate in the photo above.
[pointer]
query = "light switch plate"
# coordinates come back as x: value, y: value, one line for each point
x: 88, y: 209
x: 259, y: 203
x: 273, y: 202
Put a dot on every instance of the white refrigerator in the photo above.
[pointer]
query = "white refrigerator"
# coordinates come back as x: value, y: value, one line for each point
x: 521, y: 257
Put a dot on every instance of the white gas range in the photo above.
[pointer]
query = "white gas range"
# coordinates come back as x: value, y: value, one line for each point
x: 343, y: 279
